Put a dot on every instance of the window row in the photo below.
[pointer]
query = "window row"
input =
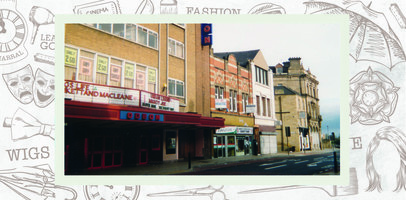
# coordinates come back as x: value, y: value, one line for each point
x: 176, y: 48
x: 233, y: 103
x: 261, y: 75
x: 263, y: 106
x: 131, y: 32
x: 82, y: 65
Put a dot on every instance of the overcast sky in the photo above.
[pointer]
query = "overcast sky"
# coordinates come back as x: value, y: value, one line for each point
x: 317, y: 44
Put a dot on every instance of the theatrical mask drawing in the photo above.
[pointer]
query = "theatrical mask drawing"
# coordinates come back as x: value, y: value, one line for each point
x: 43, y: 88
x: 398, y: 139
x: 20, y: 84
x: 373, y: 97
x: 371, y: 37
x: 23, y: 125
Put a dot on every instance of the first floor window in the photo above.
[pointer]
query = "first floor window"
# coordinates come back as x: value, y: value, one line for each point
x: 219, y: 92
x: 176, y: 87
x: 233, y: 101
x: 244, y: 102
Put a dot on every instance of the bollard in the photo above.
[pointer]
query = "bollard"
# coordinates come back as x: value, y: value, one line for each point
x: 190, y: 161
x: 335, y: 162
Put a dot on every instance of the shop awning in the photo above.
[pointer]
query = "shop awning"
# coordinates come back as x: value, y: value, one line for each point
x: 235, y: 130
x: 110, y: 112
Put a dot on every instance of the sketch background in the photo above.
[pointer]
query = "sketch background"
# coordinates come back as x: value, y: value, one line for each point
x: 9, y: 104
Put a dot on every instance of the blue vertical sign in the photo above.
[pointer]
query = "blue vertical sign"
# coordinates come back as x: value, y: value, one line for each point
x: 206, y: 31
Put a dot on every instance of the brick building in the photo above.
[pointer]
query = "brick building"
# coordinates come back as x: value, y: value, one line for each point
x: 260, y: 84
x: 136, y: 94
x: 297, y: 106
x: 231, y: 91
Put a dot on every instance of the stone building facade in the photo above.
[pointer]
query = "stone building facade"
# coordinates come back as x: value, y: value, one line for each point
x: 297, y: 105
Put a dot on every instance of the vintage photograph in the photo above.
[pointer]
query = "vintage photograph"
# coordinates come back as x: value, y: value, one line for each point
x: 202, y: 99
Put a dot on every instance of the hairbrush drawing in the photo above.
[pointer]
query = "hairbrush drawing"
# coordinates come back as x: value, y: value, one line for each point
x: 373, y: 97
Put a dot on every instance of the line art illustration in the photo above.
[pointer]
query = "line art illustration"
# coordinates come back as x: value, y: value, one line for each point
x: 13, y: 33
x: 373, y: 98
x: 169, y: 7
x: 371, y: 37
x: 98, y: 7
x: 332, y: 191
x: 23, y: 125
x: 20, y: 83
x: 43, y: 88
x: 42, y: 58
x: 26, y: 88
x: 398, y: 139
x: 267, y: 8
x: 145, y: 7
x: 397, y: 13
x: 209, y: 191
x: 40, y: 16
x: 113, y: 192
x: 35, y: 182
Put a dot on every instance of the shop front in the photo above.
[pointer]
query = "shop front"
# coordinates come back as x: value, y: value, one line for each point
x: 232, y: 141
x: 134, y: 128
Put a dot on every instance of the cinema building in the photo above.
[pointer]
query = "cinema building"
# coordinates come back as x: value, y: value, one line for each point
x: 135, y: 94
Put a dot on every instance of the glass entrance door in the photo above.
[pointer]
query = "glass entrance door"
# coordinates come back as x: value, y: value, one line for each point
x: 219, y: 144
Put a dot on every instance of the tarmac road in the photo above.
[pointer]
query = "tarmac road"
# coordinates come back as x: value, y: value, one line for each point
x: 303, y: 165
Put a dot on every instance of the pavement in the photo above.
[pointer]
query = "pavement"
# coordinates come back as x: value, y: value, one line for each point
x: 182, y: 166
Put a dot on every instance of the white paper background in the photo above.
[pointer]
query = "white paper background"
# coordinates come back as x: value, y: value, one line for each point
x: 40, y: 150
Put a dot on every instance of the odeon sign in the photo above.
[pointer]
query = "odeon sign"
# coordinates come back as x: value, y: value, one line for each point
x: 139, y: 116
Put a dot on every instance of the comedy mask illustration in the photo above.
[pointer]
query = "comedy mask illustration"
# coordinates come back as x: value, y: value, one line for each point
x: 43, y: 88
x: 26, y: 88
x: 20, y: 84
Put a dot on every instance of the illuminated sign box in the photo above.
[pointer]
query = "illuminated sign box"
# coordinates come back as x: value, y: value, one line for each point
x: 139, y: 116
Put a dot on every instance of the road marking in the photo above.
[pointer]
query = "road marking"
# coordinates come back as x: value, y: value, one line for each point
x: 267, y: 164
x: 275, y: 167
x: 313, y: 164
x: 302, y: 161
x: 327, y: 166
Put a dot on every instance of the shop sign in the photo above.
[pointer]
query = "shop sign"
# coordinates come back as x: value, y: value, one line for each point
x: 86, y: 92
x: 227, y: 130
x: 151, y: 76
x: 245, y: 130
x: 70, y: 56
x: 250, y: 108
x: 160, y: 102
x: 206, y: 30
x: 221, y: 103
x: 139, y: 116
